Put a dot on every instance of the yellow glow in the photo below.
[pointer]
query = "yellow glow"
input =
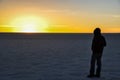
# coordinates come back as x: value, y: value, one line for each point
x: 29, y: 24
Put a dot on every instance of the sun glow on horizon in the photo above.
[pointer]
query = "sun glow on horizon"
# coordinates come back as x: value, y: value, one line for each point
x: 29, y: 24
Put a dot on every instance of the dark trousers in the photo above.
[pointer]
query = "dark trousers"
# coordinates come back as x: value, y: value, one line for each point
x: 95, y: 59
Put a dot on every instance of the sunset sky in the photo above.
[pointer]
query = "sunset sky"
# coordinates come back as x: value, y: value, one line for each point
x: 76, y: 16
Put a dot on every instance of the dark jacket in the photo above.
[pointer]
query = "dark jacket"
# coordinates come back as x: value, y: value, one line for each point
x: 98, y: 43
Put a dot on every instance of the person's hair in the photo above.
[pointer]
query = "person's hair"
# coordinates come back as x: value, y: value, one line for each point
x: 97, y: 31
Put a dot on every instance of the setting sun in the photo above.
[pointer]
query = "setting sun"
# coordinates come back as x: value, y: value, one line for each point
x: 59, y: 16
x: 29, y: 24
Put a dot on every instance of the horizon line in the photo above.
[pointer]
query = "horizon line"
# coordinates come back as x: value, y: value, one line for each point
x: 56, y: 33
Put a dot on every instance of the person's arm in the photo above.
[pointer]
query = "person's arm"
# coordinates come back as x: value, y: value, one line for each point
x: 104, y: 42
x: 92, y: 47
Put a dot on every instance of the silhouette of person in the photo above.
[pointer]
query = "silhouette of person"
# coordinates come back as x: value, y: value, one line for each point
x: 98, y: 44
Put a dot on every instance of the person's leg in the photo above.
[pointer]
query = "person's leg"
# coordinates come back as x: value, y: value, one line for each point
x: 99, y: 64
x: 92, y: 65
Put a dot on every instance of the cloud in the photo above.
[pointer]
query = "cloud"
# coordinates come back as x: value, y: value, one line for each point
x: 113, y: 15
x: 116, y: 16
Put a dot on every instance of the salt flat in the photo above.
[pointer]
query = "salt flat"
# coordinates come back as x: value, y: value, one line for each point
x: 64, y: 58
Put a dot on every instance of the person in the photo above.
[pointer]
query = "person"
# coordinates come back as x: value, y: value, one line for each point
x: 98, y: 44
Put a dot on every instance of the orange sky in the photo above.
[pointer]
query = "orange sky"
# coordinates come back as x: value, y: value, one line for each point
x: 63, y: 15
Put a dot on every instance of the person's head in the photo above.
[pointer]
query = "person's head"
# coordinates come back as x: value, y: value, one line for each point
x: 97, y: 32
